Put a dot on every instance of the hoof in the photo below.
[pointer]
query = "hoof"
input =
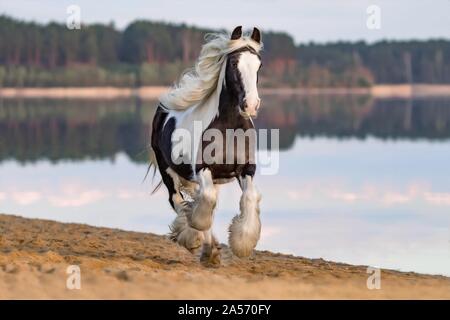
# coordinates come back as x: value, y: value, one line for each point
x: 187, y: 237
x: 210, y: 256
x: 191, y: 239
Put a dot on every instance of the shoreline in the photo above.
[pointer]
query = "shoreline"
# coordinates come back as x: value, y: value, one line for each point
x: 381, y: 91
x: 35, y: 255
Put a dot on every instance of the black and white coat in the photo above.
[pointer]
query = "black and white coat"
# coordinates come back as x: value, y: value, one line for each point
x: 193, y: 185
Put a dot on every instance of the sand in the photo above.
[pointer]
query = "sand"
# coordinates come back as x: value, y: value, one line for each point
x: 379, y: 91
x: 114, y: 264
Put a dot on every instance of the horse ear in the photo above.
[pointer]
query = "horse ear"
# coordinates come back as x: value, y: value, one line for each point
x: 237, y: 33
x: 256, y: 35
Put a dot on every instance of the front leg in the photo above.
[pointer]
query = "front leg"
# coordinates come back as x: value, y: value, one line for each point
x: 245, y: 229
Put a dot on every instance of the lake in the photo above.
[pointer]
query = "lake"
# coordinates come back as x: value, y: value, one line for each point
x: 360, y: 181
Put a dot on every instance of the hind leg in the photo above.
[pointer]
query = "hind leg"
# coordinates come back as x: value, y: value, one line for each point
x: 245, y: 228
x: 200, y: 216
x: 180, y: 231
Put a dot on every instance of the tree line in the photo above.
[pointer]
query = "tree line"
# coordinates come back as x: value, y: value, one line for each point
x: 155, y: 53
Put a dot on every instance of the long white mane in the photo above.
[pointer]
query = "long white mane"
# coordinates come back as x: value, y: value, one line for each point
x: 197, y: 84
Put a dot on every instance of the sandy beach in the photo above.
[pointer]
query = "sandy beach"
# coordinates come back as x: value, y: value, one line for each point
x: 114, y: 264
x: 381, y: 91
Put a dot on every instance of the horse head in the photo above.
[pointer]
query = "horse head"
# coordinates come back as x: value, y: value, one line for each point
x: 241, y: 75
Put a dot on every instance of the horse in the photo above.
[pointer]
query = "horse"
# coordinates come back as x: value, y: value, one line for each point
x: 220, y: 93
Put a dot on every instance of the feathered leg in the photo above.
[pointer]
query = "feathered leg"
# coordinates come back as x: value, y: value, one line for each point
x: 210, y: 255
x: 245, y: 228
x: 204, y: 202
x: 180, y: 231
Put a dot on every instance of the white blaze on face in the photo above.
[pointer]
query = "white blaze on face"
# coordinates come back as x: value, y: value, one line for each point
x: 248, y: 66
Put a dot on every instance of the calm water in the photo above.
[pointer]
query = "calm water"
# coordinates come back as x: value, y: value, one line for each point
x: 360, y: 181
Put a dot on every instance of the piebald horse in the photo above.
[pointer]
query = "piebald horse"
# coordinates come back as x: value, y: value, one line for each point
x: 219, y: 93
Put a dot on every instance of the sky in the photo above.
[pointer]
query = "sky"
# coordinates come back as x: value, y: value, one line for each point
x: 305, y: 20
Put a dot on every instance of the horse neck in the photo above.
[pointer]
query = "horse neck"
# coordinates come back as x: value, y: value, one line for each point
x: 228, y: 104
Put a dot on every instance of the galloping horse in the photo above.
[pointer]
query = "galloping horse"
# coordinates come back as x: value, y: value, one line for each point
x: 220, y: 93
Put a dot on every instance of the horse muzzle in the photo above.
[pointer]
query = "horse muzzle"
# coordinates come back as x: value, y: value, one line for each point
x: 251, y: 109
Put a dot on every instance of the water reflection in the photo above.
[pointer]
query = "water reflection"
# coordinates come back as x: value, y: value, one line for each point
x: 360, y: 181
x: 58, y: 129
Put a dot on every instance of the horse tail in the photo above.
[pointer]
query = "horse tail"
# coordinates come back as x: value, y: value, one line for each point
x: 153, y: 164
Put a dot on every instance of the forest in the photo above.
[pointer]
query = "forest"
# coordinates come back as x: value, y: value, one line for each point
x: 154, y: 53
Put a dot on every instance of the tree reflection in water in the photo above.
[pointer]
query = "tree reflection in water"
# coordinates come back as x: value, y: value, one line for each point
x: 33, y: 129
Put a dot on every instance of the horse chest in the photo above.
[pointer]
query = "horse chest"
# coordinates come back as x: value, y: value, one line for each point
x: 228, y: 147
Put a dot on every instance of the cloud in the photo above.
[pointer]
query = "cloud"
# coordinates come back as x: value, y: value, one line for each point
x: 437, y: 198
x: 133, y: 194
x: 267, y: 231
x: 25, y: 198
x: 299, y: 194
x: 69, y: 194
x: 346, y: 196
x: 384, y: 195
x: 395, y: 198
x: 71, y: 197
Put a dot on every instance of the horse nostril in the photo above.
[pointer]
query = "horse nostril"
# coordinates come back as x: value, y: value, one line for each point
x: 258, y: 104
